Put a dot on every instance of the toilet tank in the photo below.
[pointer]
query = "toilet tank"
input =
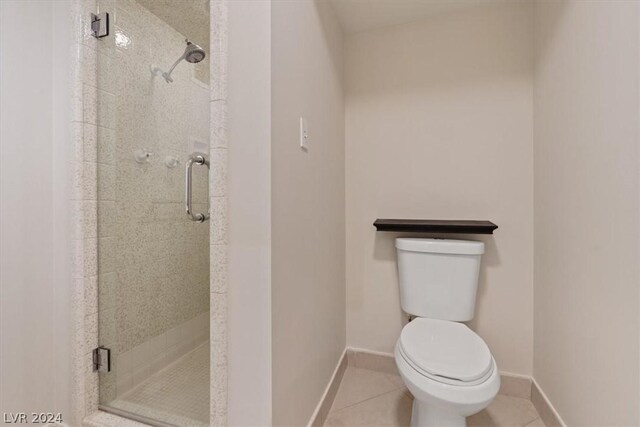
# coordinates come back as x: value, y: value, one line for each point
x: 438, y: 278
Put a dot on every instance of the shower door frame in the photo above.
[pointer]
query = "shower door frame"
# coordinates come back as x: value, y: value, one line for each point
x: 86, y: 103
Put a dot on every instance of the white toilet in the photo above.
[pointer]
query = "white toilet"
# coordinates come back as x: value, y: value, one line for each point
x: 445, y: 365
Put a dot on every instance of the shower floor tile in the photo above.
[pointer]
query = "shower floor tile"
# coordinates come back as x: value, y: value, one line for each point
x: 179, y: 394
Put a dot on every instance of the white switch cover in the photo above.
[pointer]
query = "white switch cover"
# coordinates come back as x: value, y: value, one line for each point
x: 304, y: 134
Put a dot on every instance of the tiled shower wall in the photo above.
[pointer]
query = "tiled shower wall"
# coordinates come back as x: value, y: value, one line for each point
x: 153, y: 261
x: 98, y: 182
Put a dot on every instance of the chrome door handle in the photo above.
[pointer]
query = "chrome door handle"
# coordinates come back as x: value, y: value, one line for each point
x: 198, y: 159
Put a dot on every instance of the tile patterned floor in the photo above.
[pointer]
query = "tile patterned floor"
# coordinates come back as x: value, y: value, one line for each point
x: 179, y: 394
x: 370, y: 398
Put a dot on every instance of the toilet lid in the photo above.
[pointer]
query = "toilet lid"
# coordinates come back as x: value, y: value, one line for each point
x: 445, y: 349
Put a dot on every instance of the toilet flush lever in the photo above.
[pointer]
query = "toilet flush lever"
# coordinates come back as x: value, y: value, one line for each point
x: 197, y: 159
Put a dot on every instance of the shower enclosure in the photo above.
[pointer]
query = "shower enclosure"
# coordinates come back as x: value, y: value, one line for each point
x: 151, y: 144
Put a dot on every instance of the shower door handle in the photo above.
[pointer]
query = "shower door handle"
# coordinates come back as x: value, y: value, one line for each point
x: 197, y: 159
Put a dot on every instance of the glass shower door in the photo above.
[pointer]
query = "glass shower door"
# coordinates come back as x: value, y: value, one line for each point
x: 153, y: 281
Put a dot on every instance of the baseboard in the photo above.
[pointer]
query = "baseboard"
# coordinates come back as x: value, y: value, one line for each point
x: 324, y: 406
x: 510, y: 384
x: 372, y: 360
x: 515, y: 385
x: 550, y: 417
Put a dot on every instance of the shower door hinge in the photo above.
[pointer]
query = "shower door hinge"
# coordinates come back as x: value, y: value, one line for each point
x: 102, y: 359
x: 100, y: 25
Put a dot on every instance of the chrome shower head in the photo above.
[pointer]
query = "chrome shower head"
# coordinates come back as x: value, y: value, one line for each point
x: 192, y: 54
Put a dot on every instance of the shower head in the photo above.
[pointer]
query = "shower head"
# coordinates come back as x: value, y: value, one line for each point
x: 192, y: 54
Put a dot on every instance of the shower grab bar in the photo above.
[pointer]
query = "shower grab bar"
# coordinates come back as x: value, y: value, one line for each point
x: 198, y: 159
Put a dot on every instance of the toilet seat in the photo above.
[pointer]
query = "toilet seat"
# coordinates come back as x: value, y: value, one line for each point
x: 445, y: 351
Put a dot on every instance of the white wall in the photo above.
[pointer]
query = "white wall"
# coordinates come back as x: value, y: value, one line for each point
x: 249, y: 213
x: 586, y: 355
x: 439, y: 125
x: 307, y: 206
x: 35, y: 150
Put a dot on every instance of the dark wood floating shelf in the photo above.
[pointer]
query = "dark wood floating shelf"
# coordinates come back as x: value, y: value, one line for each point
x: 435, y: 226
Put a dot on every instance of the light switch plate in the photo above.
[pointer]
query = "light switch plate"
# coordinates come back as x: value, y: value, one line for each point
x: 304, y: 134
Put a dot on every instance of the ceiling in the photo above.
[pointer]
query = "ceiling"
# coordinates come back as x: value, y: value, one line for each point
x: 362, y: 15
x: 190, y: 18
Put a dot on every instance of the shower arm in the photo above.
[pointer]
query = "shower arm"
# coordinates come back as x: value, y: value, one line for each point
x: 167, y: 74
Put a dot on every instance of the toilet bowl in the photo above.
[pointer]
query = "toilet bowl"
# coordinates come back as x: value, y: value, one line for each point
x: 445, y: 365
x: 448, y: 369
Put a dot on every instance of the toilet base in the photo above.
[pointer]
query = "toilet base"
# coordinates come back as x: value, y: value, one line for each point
x: 423, y: 415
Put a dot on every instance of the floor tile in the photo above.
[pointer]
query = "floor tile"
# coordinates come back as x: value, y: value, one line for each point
x: 178, y: 394
x: 391, y: 409
x: 370, y: 398
x: 505, y: 411
x: 395, y: 379
x: 361, y: 384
